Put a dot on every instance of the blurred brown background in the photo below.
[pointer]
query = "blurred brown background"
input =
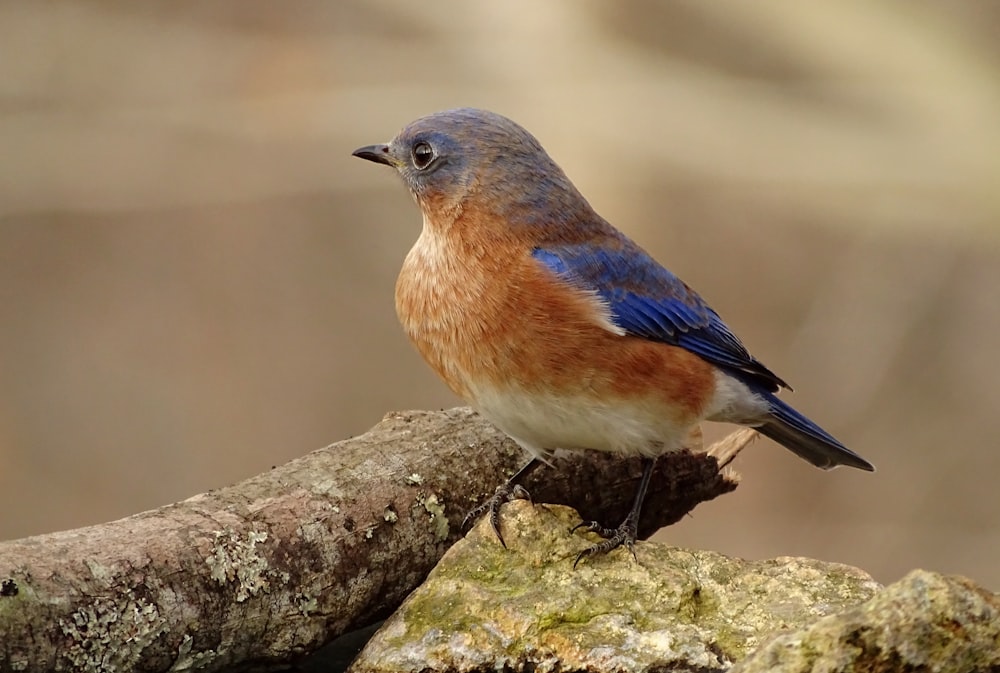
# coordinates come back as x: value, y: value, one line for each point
x: 197, y: 278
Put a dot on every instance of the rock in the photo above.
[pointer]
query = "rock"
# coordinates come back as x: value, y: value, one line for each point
x: 924, y: 622
x: 486, y: 608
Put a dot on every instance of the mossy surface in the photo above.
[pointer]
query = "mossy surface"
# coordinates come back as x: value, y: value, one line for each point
x: 486, y: 607
x: 924, y: 622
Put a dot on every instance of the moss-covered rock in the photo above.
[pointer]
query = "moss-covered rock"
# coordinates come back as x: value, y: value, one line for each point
x: 925, y: 622
x: 486, y: 608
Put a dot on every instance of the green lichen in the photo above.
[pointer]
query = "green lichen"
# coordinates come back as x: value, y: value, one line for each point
x: 188, y: 660
x: 306, y: 603
x: 109, y: 633
x: 330, y: 488
x: 236, y: 559
x: 436, y: 509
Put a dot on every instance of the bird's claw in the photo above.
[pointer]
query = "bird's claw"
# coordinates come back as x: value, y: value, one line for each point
x: 505, y: 492
x: 622, y: 536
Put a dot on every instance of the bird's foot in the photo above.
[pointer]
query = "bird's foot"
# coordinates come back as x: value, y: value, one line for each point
x: 504, y: 493
x: 622, y: 536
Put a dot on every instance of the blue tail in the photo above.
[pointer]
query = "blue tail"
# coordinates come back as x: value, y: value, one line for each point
x: 798, y: 434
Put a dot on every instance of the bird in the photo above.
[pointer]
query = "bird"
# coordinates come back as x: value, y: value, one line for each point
x: 558, y: 328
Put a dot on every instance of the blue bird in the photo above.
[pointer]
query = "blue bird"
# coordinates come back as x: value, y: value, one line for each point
x: 554, y: 325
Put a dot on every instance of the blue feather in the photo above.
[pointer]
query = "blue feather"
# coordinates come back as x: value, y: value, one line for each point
x: 799, y: 434
x: 648, y: 301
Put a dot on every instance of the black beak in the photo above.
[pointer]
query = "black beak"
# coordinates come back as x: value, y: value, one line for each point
x: 377, y: 153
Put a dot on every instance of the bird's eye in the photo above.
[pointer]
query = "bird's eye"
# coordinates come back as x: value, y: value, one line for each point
x: 423, y: 155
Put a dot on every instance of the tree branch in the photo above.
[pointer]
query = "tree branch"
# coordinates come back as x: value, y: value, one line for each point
x: 269, y: 569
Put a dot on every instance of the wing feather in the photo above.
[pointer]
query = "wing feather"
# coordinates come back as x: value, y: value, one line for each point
x: 648, y: 301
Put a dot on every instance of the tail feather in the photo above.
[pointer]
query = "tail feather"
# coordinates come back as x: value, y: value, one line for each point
x: 798, y: 434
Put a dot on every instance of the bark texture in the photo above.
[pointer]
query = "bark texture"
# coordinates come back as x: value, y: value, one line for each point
x: 265, y: 571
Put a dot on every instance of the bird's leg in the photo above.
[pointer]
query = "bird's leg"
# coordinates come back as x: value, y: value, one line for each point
x: 626, y: 532
x: 506, y: 491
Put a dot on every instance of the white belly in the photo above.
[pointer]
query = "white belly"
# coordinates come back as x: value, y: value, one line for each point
x: 541, y: 423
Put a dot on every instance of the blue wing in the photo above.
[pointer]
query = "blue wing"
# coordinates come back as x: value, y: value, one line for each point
x: 648, y: 301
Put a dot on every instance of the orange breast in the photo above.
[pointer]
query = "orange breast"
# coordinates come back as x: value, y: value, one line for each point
x: 490, y: 315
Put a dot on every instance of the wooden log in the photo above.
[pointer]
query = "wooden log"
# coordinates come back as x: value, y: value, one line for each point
x: 268, y: 570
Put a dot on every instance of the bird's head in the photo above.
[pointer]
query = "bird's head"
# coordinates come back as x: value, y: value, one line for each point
x: 463, y: 158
